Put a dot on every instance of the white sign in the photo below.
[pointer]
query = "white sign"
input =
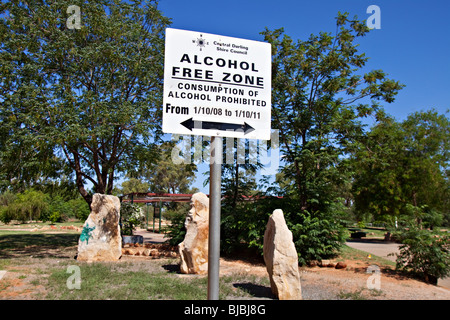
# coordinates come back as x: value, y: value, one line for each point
x: 216, y: 85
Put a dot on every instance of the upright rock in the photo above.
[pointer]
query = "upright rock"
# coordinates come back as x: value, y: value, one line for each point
x: 194, y: 249
x: 281, y: 259
x: 100, y: 238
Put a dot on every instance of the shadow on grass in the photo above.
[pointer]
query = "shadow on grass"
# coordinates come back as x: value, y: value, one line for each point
x: 36, y: 245
x: 172, y: 268
x: 256, y: 290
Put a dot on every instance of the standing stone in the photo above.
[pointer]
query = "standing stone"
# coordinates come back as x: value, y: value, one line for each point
x: 100, y: 238
x: 194, y: 249
x: 281, y: 259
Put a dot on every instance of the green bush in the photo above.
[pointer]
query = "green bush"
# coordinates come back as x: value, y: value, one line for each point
x: 58, y: 210
x: 176, y: 231
x: 37, y: 205
x: 6, y: 214
x: 424, y: 254
x: 244, y: 226
x: 79, y: 208
x: 29, y: 205
x: 54, y: 217
x: 318, y: 236
x: 130, y: 217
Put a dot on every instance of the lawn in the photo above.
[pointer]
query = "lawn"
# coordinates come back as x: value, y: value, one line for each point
x: 364, y: 258
x: 42, y: 260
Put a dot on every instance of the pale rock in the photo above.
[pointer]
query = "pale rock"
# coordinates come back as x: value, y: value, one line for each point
x: 194, y: 249
x: 100, y: 239
x: 281, y: 259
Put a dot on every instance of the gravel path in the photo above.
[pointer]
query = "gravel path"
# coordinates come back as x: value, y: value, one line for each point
x: 378, y: 248
x: 345, y: 284
x: 383, y: 249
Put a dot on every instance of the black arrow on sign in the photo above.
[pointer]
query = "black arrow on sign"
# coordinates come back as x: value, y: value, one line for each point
x: 195, y: 124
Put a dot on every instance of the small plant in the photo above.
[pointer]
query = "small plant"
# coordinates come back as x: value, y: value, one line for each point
x: 425, y: 254
x: 55, y: 217
x: 130, y: 216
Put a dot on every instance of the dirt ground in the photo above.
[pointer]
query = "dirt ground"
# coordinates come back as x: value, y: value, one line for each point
x: 318, y: 283
x: 22, y: 279
x: 322, y: 283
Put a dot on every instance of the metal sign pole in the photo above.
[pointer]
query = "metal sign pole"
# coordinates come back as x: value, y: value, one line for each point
x: 214, y: 217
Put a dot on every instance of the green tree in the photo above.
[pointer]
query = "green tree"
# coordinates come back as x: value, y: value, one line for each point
x: 134, y: 185
x: 401, y: 164
x: 238, y: 216
x: 163, y: 174
x: 424, y: 254
x: 427, y: 149
x: 28, y: 205
x: 317, y: 104
x: 378, y: 170
x: 90, y: 96
x: 319, y: 96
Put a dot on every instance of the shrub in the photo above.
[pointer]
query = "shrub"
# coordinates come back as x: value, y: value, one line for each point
x: 34, y: 204
x: 29, y: 205
x: 79, y: 208
x: 58, y: 210
x: 424, y: 254
x: 130, y: 216
x: 6, y: 198
x: 318, y: 236
x: 54, y: 217
x: 176, y: 231
x: 6, y: 215
x: 244, y: 226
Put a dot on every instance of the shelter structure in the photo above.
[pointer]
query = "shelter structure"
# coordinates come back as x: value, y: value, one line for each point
x: 155, y: 200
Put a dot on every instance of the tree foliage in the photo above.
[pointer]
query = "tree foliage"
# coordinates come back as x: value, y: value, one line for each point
x: 33, y: 204
x: 401, y: 164
x: 240, y: 219
x: 134, y: 185
x: 317, y: 103
x: 87, y: 96
x: 163, y: 174
x: 319, y: 96
x: 424, y: 254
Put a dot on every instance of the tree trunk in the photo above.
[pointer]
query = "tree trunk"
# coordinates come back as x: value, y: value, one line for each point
x: 236, y: 186
x: 79, y: 181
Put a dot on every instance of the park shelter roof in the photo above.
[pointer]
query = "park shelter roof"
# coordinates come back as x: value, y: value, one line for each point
x: 136, y: 197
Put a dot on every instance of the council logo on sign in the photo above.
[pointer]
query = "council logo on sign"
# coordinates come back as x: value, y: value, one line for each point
x: 201, y: 43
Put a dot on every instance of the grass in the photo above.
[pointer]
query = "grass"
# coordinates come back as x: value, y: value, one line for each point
x: 348, y: 253
x: 39, y: 224
x: 107, y: 281
x: 361, y: 294
x: 42, y: 259
x: 136, y: 281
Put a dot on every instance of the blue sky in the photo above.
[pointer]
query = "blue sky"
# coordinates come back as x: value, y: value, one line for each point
x: 412, y: 46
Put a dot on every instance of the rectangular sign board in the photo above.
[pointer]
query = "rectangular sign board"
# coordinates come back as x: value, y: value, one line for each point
x: 216, y: 85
